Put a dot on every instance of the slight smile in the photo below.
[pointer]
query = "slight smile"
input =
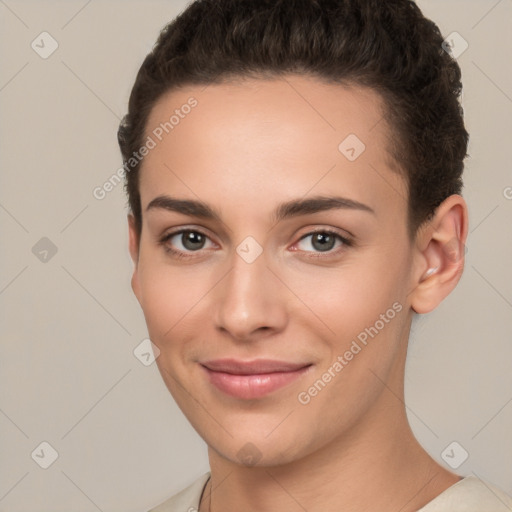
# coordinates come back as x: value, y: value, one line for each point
x: 252, y: 379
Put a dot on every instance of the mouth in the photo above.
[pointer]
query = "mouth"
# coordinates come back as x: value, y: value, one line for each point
x: 250, y: 380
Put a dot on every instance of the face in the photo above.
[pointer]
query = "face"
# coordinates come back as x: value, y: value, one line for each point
x: 273, y: 263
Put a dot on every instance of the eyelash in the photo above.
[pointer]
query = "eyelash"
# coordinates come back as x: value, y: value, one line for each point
x: 181, y: 255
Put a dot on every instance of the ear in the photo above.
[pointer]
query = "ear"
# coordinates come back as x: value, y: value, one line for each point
x: 439, y: 254
x: 134, y: 244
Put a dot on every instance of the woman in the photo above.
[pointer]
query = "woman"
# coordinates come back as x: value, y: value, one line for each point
x: 293, y: 170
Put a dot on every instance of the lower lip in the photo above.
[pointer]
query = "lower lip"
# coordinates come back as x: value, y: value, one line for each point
x: 249, y: 387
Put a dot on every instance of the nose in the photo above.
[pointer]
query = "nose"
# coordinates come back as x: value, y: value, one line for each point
x: 249, y: 302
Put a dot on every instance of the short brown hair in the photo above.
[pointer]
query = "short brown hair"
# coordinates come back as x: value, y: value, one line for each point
x: 386, y: 45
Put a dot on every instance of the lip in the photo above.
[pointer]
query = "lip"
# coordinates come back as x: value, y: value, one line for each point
x: 252, y: 379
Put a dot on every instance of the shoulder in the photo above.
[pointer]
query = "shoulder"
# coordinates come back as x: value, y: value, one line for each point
x: 186, y: 500
x: 471, y: 494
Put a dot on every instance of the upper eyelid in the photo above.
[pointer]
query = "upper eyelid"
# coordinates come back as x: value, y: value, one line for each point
x: 179, y: 231
x: 312, y: 231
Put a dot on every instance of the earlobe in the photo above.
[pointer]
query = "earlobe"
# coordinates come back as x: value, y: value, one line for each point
x: 440, y: 258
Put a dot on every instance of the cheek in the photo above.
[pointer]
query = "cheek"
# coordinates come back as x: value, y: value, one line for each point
x: 347, y: 300
x: 170, y: 299
x: 168, y: 295
x: 365, y: 314
x: 360, y: 310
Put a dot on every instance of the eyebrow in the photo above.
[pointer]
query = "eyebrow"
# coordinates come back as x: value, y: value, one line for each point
x: 288, y: 209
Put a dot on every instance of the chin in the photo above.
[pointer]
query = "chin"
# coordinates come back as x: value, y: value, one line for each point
x: 256, y: 453
x: 255, y: 447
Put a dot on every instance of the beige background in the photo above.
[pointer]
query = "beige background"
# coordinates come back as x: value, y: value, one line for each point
x: 69, y: 325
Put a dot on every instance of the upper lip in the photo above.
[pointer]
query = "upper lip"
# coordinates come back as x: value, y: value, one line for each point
x: 254, y: 367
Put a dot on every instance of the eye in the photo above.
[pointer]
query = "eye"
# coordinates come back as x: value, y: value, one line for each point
x: 179, y: 243
x: 323, y: 241
x: 185, y: 242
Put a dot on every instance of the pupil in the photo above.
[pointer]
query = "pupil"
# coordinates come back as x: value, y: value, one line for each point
x: 326, y: 241
x: 192, y: 240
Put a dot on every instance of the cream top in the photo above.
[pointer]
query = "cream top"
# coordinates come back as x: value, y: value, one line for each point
x: 470, y: 494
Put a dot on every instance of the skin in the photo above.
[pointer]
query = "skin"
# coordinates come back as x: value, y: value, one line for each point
x: 247, y: 147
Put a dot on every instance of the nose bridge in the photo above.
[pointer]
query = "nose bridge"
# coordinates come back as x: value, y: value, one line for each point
x: 247, y: 300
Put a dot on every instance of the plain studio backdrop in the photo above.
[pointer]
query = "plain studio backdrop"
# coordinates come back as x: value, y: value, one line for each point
x: 113, y: 438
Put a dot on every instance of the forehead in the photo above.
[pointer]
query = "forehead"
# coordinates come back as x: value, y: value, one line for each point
x: 268, y: 141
